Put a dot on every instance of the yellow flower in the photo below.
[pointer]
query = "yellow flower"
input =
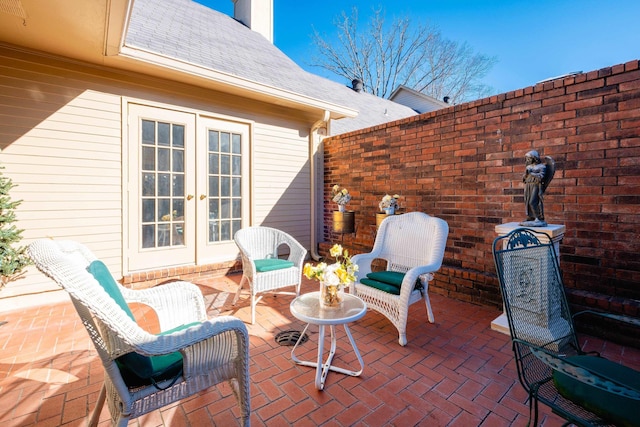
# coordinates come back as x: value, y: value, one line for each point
x: 307, y: 271
x: 336, y: 250
x: 340, y: 274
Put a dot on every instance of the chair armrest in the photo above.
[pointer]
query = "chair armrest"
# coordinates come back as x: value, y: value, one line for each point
x: 625, y: 319
x: 363, y: 261
x: 297, y: 253
x: 175, y: 303
x: 410, y: 278
x: 226, y: 344
x: 200, y: 344
x: 584, y: 375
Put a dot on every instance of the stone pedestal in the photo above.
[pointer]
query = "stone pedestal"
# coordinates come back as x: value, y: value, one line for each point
x: 556, y: 231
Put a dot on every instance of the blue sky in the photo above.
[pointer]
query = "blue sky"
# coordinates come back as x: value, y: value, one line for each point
x: 532, y: 40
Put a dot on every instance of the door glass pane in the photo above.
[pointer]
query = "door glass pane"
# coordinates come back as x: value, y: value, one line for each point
x: 236, y: 143
x: 214, y: 186
x: 178, y: 186
x: 148, y: 184
x: 225, y: 186
x: 224, y: 179
x: 148, y: 158
x: 178, y: 136
x: 148, y: 131
x: 214, y: 163
x: 213, y: 141
x: 163, y: 184
x: 225, y: 142
x: 163, y: 160
x: 164, y: 134
x: 178, y: 161
x: 225, y: 165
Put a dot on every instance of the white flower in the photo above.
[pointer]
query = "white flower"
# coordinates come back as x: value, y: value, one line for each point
x: 341, y: 197
x: 341, y: 273
x: 389, y: 201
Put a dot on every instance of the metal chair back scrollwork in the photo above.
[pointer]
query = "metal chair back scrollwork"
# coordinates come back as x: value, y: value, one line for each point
x: 585, y: 389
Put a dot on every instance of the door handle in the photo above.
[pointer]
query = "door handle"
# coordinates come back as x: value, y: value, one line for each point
x: 190, y: 196
x: 203, y: 196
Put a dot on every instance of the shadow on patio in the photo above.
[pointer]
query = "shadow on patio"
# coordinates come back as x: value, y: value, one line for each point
x: 456, y: 372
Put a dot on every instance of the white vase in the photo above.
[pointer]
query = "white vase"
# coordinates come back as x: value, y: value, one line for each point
x: 341, y: 208
x: 390, y: 210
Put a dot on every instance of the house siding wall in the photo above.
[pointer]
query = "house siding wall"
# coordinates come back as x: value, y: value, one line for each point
x: 465, y: 164
x: 61, y: 135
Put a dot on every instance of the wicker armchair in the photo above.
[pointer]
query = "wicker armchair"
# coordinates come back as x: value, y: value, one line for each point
x: 190, y: 355
x: 413, y: 246
x: 262, y: 269
x: 583, y: 388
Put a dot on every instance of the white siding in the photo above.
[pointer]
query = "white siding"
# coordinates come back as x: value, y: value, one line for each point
x: 281, y: 179
x: 61, y: 138
x: 61, y: 145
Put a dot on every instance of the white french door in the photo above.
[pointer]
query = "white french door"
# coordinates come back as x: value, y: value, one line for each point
x: 187, y: 187
x: 223, y: 187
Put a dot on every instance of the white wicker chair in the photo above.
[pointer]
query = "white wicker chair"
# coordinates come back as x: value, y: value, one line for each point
x: 212, y: 350
x: 413, y: 244
x: 259, y: 246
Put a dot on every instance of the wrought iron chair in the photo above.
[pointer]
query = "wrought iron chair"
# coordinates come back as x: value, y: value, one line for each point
x: 145, y: 371
x: 412, y: 245
x: 262, y: 269
x: 584, y: 389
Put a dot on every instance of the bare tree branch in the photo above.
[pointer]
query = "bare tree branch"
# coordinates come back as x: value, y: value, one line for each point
x: 386, y: 56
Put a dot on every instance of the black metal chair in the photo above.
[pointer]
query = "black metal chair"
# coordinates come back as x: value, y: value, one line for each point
x: 584, y: 389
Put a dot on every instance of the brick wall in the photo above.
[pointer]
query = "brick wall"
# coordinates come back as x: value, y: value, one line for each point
x: 465, y: 163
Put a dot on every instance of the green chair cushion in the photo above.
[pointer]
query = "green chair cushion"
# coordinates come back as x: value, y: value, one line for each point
x: 385, y: 287
x: 136, y: 369
x: 271, y: 264
x: 620, y: 410
x: 389, y: 277
x: 102, y: 274
x: 139, y: 370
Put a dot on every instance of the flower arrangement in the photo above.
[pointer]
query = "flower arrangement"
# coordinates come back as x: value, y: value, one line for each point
x: 169, y: 216
x: 389, y: 203
x: 333, y: 277
x: 341, y: 197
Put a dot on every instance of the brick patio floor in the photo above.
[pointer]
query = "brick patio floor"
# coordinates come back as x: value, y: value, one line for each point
x: 456, y: 372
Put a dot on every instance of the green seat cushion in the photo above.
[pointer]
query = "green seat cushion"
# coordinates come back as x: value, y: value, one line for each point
x: 137, y: 369
x: 385, y: 287
x: 271, y: 264
x: 389, y: 277
x: 620, y: 410
x: 388, y: 281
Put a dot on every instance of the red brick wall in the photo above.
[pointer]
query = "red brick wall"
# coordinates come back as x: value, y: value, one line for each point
x: 465, y: 163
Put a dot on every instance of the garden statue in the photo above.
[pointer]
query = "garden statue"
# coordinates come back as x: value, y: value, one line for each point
x: 537, y: 176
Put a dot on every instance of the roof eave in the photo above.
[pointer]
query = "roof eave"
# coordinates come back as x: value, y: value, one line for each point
x: 227, y: 82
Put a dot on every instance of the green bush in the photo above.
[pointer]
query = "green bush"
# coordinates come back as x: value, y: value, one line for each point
x: 14, y: 258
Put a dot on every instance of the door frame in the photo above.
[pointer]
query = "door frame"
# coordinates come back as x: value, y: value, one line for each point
x: 130, y: 177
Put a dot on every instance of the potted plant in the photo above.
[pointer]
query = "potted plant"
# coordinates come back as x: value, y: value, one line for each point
x: 334, y: 277
x: 343, y: 220
x: 388, y: 206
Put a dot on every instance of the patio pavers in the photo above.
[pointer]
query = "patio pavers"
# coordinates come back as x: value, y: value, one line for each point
x: 456, y: 372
